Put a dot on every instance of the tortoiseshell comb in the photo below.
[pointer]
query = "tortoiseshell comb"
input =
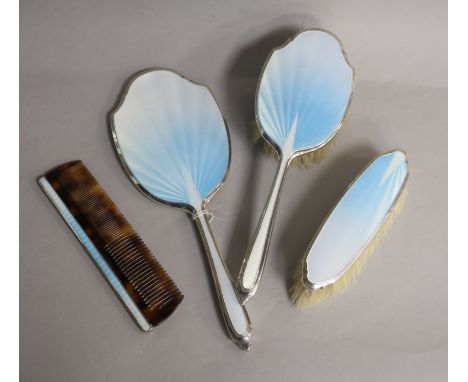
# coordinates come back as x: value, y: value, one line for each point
x: 123, y: 258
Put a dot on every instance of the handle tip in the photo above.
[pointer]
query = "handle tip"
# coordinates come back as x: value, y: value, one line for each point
x: 245, y: 341
x: 244, y: 294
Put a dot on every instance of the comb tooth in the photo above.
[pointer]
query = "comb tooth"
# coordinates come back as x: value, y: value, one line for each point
x: 147, y: 271
x: 149, y: 274
x: 153, y: 294
x: 150, y: 287
x: 145, y: 283
x: 123, y: 253
x: 125, y: 260
x: 164, y: 303
x: 155, y: 297
x: 128, y: 261
x: 122, y: 260
x: 146, y: 292
x: 119, y: 238
x: 157, y: 289
x: 131, y: 272
x: 143, y: 275
x: 121, y: 244
x: 143, y: 280
x: 160, y: 299
x: 148, y: 284
x: 136, y: 266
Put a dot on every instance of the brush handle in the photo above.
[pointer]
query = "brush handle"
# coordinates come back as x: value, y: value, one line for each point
x: 255, y: 258
x: 234, y: 314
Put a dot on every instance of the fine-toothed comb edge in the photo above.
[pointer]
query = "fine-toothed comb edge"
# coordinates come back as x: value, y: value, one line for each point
x: 133, y: 272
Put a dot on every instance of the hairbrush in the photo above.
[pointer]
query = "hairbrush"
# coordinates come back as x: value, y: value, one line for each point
x: 172, y: 140
x: 352, y: 230
x: 123, y: 258
x: 302, y: 98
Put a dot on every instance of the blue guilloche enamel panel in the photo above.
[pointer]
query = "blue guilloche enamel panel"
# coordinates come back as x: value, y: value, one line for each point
x: 172, y: 137
x: 356, y: 218
x: 304, y: 90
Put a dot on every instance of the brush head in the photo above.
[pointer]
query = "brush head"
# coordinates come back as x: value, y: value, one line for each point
x: 127, y: 263
x: 352, y: 231
x: 303, y: 96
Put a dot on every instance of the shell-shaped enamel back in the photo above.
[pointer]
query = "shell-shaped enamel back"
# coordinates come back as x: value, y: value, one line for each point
x: 172, y: 138
x: 357, y: 218
x: 304, y: 92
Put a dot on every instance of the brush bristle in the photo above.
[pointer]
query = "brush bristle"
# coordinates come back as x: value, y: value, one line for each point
x: 304, y: 297
x: 301, y: 161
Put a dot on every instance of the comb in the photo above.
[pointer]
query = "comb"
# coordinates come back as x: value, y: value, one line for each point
x: 126, y: 262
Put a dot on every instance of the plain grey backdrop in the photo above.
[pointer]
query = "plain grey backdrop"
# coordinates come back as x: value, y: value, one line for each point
x: 391, y: 325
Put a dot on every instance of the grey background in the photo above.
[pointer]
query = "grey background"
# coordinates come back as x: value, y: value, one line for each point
x: 391, y: 325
